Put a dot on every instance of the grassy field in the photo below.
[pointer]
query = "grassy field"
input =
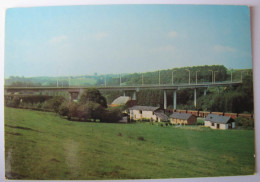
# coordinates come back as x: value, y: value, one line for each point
x: 40, y: 145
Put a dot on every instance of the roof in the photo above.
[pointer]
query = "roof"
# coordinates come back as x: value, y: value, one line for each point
x: 121, y: 100
x: 184, y: 116
x: 217, y: 119
x: 144, y: 108
x: 161, y: 115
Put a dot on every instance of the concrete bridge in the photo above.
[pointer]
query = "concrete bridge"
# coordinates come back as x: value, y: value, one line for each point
x: 76, y: 91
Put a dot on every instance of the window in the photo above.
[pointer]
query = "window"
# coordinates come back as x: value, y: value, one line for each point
x: 212, y: 124
x: 140, y: 111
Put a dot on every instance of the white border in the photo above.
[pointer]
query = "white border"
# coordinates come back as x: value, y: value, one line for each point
x: 255, y: 24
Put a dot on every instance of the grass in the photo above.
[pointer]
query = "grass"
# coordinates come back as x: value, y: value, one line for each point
x: 41, y: 145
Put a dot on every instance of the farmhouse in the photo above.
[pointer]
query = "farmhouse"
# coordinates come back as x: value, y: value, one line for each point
x: 183, y: 118
x: 219, y: 122
x: 148, y: 113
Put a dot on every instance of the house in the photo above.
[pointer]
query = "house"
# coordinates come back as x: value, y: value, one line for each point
x: 147, y: 113
x: 219, y: 122
x: 160, y: 116
x: 183, y: 118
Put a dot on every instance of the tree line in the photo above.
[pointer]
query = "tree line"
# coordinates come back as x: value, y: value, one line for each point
x: 198, y: 74
x: 91, y: 106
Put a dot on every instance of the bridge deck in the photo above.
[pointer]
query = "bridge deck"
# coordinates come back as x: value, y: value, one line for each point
x: 129, y: 87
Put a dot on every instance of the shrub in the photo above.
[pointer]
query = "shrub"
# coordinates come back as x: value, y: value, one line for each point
x: 111, y: 115
x: 13, y: 102
x: 244, y: 122
x: 141, y: 138
x: 64, y: 109
x: 54, y: 103
x: 73, y: 110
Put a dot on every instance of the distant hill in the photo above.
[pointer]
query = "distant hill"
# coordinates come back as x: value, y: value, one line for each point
x: 174, y: 75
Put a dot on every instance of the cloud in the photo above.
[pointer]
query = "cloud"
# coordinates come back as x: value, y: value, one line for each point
x: 168, y: 48
x: 221, y: 48
x: 100, y: 35
x: 172, y: 34
x: 58, y: 39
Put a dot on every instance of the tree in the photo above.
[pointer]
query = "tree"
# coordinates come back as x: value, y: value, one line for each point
x: 92, y: 95
x: 91, y: 110
x: 55, y: 102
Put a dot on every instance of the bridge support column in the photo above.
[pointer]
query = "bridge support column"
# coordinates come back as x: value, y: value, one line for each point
x: 195, y: 97
x: 124, y: 93
x: 74, y: 95
x: 174, y: 99
x: 134, y: 96
x: 164, y: 100
x: 205, y: 91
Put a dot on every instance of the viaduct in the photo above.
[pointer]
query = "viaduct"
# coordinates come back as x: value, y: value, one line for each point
x: 76, y: 91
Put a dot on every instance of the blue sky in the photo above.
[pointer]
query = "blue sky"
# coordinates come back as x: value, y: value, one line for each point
x: 79, y: 40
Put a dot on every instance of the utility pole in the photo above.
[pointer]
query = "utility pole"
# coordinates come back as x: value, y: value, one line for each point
x: 120, y: 79
x: 159, y: 78
x: 241, y: 76
x: 212, y: 75
x: 142, y: 79
x: 196, y: 76
x: 172, y: 76
x: 215, y: 76
x: 189, y: 75
x: 231, y: 75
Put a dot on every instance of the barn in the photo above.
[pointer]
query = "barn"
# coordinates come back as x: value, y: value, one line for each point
x: 147, y: 113
x: 183, y: 118
x: 219, y: 122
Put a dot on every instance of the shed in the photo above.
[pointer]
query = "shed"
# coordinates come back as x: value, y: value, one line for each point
x: 219, y: 122
x: 160, y: 116
x: 183, y: 118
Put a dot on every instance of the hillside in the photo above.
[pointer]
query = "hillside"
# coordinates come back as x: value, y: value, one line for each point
x: 41, y: 145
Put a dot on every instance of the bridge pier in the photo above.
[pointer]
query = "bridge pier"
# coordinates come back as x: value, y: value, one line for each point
x: 205, y: 91
x: 174, y: 99
x: 195, y: 97
x: 134, y: 96
x: 124, y: 93
x: 164, y: 100
x: 74, y: 95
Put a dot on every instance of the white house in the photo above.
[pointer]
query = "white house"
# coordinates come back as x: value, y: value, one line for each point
x: 147, y: 113
x: 219, y: 122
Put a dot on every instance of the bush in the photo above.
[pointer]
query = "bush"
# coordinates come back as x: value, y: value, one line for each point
x: 54, y: 103
x: 14, y: 102
x: 244, y: 122
x: 111, y: 115
x: 64, y: 109
x: 141, y: 138
x: 73, y: 110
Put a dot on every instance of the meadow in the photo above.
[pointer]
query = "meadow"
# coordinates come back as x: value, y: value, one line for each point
x: 42, y: 145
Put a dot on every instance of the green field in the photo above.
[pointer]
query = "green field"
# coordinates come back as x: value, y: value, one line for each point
x: 41, y: 145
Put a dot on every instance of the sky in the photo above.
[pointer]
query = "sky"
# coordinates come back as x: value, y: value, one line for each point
x: 103, y: 39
